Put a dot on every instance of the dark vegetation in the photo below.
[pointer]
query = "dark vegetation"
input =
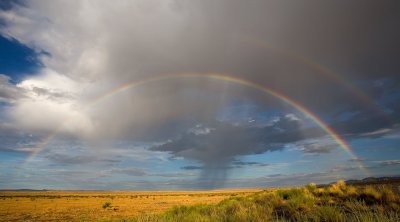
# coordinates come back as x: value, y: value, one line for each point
x: 106, y: 205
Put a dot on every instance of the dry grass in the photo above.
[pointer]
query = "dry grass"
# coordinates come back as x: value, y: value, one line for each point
x: 337, y: 202
x: 92, y: 206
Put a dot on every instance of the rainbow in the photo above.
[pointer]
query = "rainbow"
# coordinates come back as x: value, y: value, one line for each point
x: 40, y: 146
x: 322, y: 70
x: 222, y: 77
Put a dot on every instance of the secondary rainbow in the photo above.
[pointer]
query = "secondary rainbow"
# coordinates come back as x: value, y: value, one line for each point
x: 322, y: 70
x: 221, y: 77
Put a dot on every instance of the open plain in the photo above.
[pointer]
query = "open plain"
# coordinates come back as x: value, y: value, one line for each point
x: 93, y: 205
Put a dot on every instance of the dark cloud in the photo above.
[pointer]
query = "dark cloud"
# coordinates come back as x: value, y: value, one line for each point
x: 361, y: 40
x: 234, y: 164
x: 365, y: 125
x: 82, y: 159
x: 192, y: 168
x: 173, y: 175
x: 276, y: 44
x: 227, y: 141
x: 240, y: 164
x: 217, y: 149
x: 338, y: 59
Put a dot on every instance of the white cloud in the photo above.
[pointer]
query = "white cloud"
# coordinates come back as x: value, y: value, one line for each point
x: 292, y: 117
x: 315, y: 146
x: 51, y: 102
x: 50, y: 81
x: 378, y: 132
x: 200, y: 130
x: 95, y: 47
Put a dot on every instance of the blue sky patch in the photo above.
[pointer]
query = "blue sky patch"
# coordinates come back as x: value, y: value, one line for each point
x: 17, y: 60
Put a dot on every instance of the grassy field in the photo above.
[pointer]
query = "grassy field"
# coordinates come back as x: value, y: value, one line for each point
x: 101, y: 205
x: 336, y: 202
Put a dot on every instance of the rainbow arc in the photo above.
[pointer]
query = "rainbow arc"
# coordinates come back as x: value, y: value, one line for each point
x: 218, y: 77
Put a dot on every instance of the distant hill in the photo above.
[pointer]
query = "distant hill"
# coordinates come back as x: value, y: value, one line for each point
x: 22, y: 190
x: 374, y: 180
x: 368, y: 180
x: 365, y: 181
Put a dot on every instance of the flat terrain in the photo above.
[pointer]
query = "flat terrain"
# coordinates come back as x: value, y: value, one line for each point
x: 372, y: 201
x: 88, y: 205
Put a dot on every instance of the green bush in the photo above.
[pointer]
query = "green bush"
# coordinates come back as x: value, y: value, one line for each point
x: 106, y: 205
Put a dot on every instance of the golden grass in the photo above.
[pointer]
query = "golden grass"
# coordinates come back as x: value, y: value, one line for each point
x: 334, y: 203
x: 88, y: 205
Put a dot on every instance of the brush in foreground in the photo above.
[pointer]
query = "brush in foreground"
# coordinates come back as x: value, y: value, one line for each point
x: 337, y: 202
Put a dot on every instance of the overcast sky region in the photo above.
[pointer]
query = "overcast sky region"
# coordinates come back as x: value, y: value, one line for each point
x: 197, y: 94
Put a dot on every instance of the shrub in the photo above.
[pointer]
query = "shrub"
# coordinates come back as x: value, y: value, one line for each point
x: 341, y: 184
x: 296, y: 202
x: 312, y: 187
x: 350, y: 191
x: 287, y: 194
x: 370, y: 195
x: 388, y: 195
x: 106, y: 205
x: 337, y: 189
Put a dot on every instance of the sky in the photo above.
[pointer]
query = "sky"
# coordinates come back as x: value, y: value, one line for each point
x: 181, y: 95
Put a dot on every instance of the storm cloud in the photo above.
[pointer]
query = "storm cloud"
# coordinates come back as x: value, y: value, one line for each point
x: 337, y: 59
x: 88, y: 44
x: 227, y: 141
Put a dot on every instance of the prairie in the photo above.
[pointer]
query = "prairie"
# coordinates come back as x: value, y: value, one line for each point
x: 91, y: 205
x: 334, y: 202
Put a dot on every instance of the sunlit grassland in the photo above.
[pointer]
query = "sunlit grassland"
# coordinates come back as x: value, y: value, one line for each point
x: 338, y: 202
x: 92, y: 206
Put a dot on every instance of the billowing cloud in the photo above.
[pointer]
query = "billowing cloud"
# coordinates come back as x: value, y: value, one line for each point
x: 218, y: 149
x: 342, y: 67
x: 227, y: 141
x: 109, y: 44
